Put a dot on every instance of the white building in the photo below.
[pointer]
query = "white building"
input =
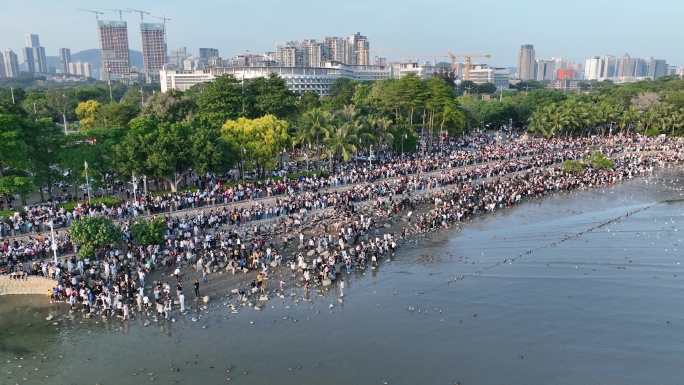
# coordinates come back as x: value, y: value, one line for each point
x: 422, y: 70
x: 298, y: 79
x: 593, y: 68
x: 482, y: 73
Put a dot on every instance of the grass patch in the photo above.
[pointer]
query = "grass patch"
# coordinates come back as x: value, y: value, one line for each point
x: 8, y: 213
x: 109, y: 201
x: 320, y: 173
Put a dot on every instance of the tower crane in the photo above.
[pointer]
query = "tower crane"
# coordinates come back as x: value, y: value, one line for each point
x: 163, y: 19
x: 95, y: 12
x: 417, y: 57
x: 142, y: 13
x: 121, y: 11
x: 467, y: 56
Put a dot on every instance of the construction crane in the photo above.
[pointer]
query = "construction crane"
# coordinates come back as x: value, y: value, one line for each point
x: 377, y: 50
x: 417, y: 57
x: 142, y: 13
x: 164, y: 19
x: 121, y: 11
x: 95, y: 12
x: 467, y: 56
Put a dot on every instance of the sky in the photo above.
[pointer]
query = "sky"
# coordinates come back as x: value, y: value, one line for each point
x: 576, y: 30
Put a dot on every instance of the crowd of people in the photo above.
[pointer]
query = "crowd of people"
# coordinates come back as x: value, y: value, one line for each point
x: 470, y: 175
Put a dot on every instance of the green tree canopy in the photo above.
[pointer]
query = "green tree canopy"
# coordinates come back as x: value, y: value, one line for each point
x: 219, y: 101
x: 261, y: 139
x: 93, y: 234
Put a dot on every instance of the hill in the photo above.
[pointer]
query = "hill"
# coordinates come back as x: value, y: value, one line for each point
x: 92, y: 56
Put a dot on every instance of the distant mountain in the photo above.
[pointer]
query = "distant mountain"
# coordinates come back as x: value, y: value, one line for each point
x: 93, y: 57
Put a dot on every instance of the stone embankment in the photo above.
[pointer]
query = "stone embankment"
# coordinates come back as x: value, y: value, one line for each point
x: 34, y: 285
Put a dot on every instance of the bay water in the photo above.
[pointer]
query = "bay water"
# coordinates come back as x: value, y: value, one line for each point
x: 578, y: 287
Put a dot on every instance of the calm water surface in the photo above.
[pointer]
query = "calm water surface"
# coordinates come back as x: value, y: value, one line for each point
x: 591, y: 292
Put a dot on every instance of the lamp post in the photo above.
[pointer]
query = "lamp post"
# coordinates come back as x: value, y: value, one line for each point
x: 243, y: 164
x: 405, y: 136
x: 64, y: 114
x: 282, y: 158
x: 85, y: 164
x: 306, y: 157
x: 54, y: 241
x: 370, y: 154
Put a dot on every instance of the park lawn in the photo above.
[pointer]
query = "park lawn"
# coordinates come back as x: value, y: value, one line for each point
x: 109, y: 201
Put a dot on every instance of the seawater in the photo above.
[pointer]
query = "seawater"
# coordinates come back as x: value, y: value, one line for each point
x: 579, y: 287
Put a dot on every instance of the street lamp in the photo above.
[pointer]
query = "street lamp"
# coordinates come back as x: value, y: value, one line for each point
x: 282, y: 158
x: 306, y: 157
x: 145, y: 184
x: 85, y: 164
x: 405, y: 136
x: 243, y: 164
x: 54, y: 242
x: 370, y: 154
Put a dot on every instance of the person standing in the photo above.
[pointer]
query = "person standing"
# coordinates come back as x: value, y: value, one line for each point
x: 342, y: 287
x: 196, y: 285
x: 181, y: 299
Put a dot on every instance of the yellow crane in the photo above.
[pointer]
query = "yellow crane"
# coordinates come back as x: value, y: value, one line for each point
x: 467, y: 56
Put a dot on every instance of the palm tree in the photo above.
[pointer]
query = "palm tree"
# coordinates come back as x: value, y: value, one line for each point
x: 341, y: 142
x: 314, y: 125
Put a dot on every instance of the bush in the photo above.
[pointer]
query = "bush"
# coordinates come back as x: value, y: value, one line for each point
x: 573, y: 166
x: 599, y: 161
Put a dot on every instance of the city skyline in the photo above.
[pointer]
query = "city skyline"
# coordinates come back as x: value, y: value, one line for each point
x: 387, y: 24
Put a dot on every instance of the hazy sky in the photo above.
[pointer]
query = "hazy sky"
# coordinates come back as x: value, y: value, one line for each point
x: 576, y: 29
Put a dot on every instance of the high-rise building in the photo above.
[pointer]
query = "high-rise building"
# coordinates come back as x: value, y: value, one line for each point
x: 114, y: 48
x: 32, y: 40
x: 11, y: 62
x: 545, y: 70
x: 626, y: 67
x: 337, y: 48
x: 609, y: 68
x: 2, y: 65
x: 154, y: 50
x: 176, y: 57
x: 526, y: 62
x: 34, y: 55
x: 65, y: 59
x: 593, y: 68
x: 208, y: 53
x: 655, y: 68
x: 28, y: 59
x: 359, y: 47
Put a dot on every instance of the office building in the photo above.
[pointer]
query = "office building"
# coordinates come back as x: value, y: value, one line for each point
x: 154, y: 50
x: 11, y: 63
x: 482, y: 73
x: 545, y: 70
x: 626, y: 67
x: 609, y: 68
x: 65, y: 59
x: 176, y: 58
x: 208, y: 53
x: 2, y: 65
x: 526, y: 62
x: 655, y: 68
x: 34, y: 55
x: 114, y: 49
x: 593, y: 68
